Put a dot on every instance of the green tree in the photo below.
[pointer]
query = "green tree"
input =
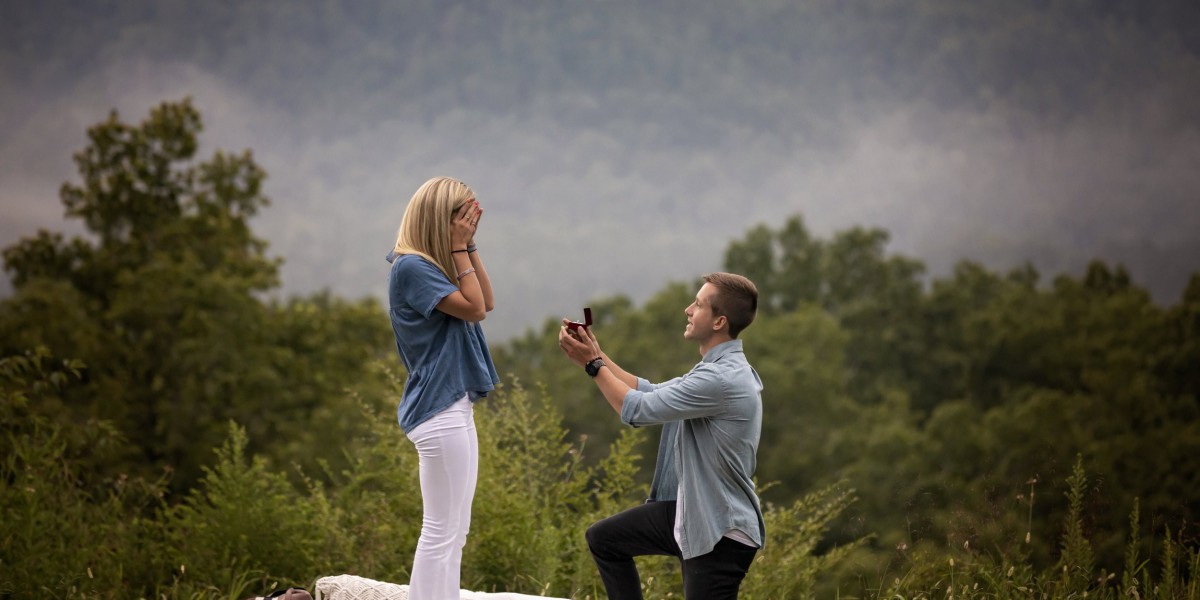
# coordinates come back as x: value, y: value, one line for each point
x: 1034, y: 377
x: 800, y: 357
x: 875, y: 297
x: 799, y: 280
x: 165, y: 284
x: 755, y: 258
x: 162, y: 299
x: 1177, y: 359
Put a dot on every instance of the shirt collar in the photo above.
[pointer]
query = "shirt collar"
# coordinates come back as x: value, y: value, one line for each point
x: 716, y: 352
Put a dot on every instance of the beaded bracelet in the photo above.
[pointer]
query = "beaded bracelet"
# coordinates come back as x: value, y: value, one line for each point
x: 465, y: 273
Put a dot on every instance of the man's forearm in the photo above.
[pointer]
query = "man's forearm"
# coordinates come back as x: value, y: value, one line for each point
x: 626, y: 377
x: 612, y: 387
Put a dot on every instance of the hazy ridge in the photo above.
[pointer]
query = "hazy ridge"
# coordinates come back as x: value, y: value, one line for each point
x: 619, y: 144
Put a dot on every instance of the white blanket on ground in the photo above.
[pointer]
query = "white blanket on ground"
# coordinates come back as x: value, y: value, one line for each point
x: 352, y: 587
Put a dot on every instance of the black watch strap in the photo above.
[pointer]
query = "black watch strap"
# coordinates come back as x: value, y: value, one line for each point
x: 593, y: 367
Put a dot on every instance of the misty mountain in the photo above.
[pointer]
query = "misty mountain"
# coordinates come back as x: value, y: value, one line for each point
x: 615, y: 144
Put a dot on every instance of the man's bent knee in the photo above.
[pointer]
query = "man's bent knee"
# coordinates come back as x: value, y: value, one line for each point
x: 595, y: 536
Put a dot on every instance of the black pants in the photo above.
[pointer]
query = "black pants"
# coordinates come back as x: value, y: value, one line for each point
x: 649, y: 529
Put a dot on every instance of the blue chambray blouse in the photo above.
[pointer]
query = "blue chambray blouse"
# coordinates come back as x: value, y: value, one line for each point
x: 446, y: 357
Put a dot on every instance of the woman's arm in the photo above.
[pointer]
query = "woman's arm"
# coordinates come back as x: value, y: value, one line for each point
x: 485, y: 282
x: 469, y: 303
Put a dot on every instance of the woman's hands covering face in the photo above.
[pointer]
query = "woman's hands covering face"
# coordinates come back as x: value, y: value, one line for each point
x: 464, y: 224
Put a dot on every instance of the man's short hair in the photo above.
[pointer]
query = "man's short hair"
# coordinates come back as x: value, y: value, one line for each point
x: 736, y: 300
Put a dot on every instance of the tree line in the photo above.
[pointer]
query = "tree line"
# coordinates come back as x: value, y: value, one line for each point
x: 951, y: 405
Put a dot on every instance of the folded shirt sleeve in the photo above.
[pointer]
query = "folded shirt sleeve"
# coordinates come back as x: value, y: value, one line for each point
x: 695, y: 395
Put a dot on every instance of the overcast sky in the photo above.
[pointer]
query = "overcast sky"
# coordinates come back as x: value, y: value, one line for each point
x: 597, y: 190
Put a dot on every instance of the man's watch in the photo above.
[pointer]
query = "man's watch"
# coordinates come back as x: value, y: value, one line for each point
x: 593, y: 367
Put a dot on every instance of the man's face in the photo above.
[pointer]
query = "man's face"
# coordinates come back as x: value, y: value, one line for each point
x: 701, y: 320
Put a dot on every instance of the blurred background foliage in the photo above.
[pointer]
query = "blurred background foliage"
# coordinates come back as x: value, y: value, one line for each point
x: 1045, y: 431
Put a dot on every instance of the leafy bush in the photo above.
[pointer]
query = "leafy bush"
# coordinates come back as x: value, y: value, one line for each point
x: 245, y: 518
x: 63, y: 532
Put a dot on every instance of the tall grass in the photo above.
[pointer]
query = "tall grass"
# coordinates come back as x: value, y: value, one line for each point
x: 967, y: 574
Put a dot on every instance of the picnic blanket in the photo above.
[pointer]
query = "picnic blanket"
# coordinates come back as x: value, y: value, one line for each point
x: 352, y: 587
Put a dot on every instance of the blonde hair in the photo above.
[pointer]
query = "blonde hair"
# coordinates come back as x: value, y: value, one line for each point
x: 425, y: 228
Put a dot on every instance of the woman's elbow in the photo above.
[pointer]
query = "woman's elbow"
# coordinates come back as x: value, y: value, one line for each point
x: 490, y: 307
x: 477, y: 315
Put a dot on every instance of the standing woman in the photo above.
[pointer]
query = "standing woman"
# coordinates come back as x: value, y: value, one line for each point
x: 438, y: 292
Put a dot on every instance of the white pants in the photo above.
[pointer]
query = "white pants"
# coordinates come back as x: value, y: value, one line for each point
x: 449, y: 457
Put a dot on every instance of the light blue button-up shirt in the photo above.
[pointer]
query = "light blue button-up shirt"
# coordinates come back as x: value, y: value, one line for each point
x: 712, y: 420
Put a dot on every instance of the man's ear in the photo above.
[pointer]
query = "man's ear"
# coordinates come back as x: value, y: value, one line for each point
x: 721, y: 323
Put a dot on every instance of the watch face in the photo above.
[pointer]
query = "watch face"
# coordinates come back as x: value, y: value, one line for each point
x: 593, y: 367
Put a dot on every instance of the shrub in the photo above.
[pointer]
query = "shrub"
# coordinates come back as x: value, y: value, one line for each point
x: 63, y: 532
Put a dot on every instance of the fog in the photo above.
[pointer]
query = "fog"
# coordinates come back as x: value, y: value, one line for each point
x: 590, y: 195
